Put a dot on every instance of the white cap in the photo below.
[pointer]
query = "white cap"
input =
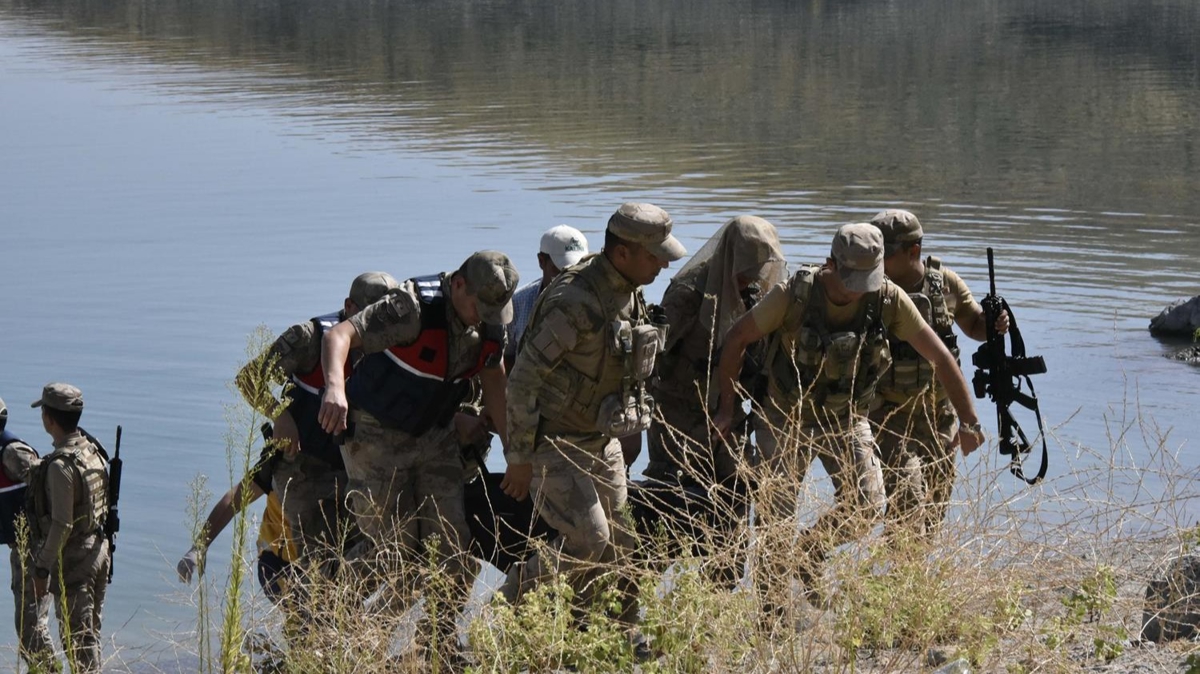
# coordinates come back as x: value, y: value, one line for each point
x: 565, y: 245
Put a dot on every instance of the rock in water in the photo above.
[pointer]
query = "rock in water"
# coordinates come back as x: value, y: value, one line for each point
x: 1172, y: 608
x: 1180, y: 318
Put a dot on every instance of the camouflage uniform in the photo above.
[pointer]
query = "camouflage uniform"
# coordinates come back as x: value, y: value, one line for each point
x: 405, y: 470
x: 917, y: 424
x: 577, y: 386
x: 31, y: 614
x: 67, y: 504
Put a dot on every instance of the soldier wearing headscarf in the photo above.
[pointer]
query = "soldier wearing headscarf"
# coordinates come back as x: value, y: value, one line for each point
x: 721, y: 282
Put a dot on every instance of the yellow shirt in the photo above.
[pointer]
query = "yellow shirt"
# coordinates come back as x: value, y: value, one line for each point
x: 273, y: 535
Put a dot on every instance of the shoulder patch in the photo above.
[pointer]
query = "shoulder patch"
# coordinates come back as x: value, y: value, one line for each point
x: 553, y: 335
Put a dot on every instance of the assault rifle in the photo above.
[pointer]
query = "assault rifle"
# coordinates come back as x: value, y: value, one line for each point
x: 999, y: 376
x: 112, y: 523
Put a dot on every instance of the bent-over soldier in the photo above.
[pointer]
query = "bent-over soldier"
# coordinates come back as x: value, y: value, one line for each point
x: 828, y: 346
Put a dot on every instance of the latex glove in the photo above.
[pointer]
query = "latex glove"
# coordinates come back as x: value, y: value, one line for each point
x: 193, y: 560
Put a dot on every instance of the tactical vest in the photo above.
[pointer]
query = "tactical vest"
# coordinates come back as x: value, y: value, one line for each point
x: 305, y: 403
x: 832, y: 373
x: 410, y: 388
x: 911, y: 374
x: 609, y: 394
x: 12, y: 496
x: 91, y: 470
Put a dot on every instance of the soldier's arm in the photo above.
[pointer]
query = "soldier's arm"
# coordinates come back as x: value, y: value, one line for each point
x: 561, y: 322
x: 335, y: 347
x: 60, y: 487
x: 926, y: 343
x: 495, y: 400
x: 18, y: 461
x: 744, y: 332
x: 968, y: 315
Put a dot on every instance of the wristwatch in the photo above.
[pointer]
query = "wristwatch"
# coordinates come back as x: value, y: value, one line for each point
x: 975, y: 429
x: 39, y: 572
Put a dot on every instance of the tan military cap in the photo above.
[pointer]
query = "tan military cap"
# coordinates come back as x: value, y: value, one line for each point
x: 649, y: 226
x: 898, y: 226
x: 858, y: 251
x: 369, y: 287
x: 60, y: 396
x: 492, y: 279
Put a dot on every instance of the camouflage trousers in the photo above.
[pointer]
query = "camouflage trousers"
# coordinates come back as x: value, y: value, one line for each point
x: 31, y: 616
x: 78, y: 596
x: 404, y: 491
x: 849, y: 457
x: 916, y: 443
x: 313, y: 498
x: 682, y: 453
x: 579, y: 488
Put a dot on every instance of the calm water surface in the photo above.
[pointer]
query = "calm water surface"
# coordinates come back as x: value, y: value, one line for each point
x: 173, y: 174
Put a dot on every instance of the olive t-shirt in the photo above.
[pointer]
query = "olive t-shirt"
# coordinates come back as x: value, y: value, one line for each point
x: 900, y: 315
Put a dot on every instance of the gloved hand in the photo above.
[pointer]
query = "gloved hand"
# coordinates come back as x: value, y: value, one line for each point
x: 193, y: 560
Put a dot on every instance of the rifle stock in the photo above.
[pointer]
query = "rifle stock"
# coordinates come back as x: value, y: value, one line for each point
x: 1002, y: 377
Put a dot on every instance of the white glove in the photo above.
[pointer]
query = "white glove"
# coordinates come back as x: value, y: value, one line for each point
x: 194, y: 559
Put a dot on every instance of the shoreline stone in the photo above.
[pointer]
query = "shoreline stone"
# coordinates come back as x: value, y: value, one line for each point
x: 1181, y: 318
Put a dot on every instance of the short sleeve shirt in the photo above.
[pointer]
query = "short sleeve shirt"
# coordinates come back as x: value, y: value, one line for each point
x: 900, y: 315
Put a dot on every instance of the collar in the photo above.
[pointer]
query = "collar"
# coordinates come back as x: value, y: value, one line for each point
x: 72, y: 439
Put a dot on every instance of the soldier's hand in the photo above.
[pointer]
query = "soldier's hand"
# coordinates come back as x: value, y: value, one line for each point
x: 470, y: 428
x: 1002, y: 322
x: 334, y: 408
x: 41, y: 587
x: 193, y: 560
x: 969, y: 441
x: 286, y: 435
x: 722, y: 424
x: 517, y: 478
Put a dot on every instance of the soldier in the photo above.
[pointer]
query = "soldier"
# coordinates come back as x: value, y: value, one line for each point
x: 68, y: 502
x: 828, y: 346
x: 309, y: 478
x: 719, y: 284
x: 32, y: 612
x: 423, y: 344
x: 578, y: 385
x: 916, y: 422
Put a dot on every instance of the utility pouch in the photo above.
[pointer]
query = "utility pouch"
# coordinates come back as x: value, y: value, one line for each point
x: 842, y: 354
x: 648, y: 341
x: 622, y: 336
x: 924, y: 306
x: 624, y: 414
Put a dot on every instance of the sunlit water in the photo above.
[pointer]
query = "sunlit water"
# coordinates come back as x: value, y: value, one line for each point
x: 174, y: 174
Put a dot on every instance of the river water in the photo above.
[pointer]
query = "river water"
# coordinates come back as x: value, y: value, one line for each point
x: 175, y: 173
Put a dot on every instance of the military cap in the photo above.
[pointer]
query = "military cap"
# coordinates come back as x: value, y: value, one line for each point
x: 649, y: 226
x: 62, y: 397
x: 898, y: 226
x: 858, y: 251
x: 492, y: 279
x: 369, y: 287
